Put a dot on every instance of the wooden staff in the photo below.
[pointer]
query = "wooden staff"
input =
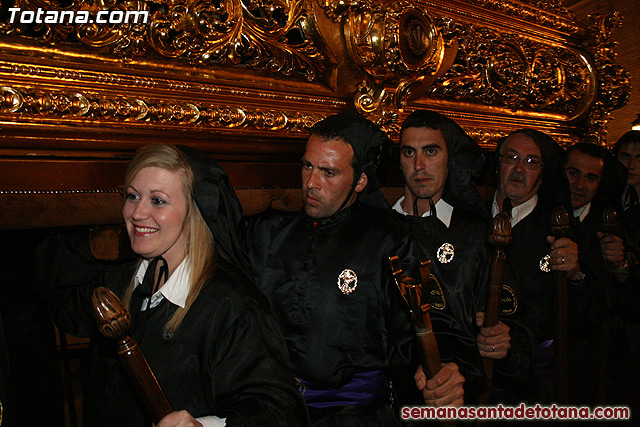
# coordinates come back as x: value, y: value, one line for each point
x: 114, y: 322
x: 609, y: 226
x: 559, y: 229
x: 499, y: 238
x: 416, y: 295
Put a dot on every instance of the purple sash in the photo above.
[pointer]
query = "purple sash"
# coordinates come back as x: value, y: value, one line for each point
x: 544, y: 366
x: 365, y: 388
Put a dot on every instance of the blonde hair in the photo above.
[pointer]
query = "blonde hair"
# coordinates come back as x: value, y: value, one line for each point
x: 200, y: 249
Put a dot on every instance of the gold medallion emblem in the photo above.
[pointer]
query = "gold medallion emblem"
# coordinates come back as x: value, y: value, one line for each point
x: 436, y: 295
x: 347, y: 281
x: 508, y: 301
x: 302, y: 389
x: 446, y: 253
x: 544, y: 264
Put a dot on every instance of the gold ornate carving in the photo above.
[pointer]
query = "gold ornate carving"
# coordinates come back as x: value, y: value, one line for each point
x: 613, y: 80
x: 398, y: 46
x: 549, y: 13
x: 104, y: 110
x: 265, y: 35
x: 526, y: 61
x: 520, y: 74
x: 54, y: 192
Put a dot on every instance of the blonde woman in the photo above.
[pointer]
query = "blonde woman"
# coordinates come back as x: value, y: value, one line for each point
x: 205, y: 329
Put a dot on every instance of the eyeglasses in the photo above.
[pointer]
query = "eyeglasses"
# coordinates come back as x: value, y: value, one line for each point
x: 527, y: 162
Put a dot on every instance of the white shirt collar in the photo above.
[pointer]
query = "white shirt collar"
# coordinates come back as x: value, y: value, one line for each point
x: 443, y: 210
x: 582, y: 212
x: 518, y: 213
x: 175, y: 289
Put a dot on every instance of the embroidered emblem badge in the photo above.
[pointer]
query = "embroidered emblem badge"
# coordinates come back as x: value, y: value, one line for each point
x: 446, y: 253
x: 508, y: 301
x: 436, y: 295
x: 302, y: 388
x: 544, y: 264
x: 347, y: 281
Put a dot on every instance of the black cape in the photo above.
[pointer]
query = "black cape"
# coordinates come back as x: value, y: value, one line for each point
x: 331, y: 336
x: 226, y: 359
x: 459, y: 288
x: 296, y: 262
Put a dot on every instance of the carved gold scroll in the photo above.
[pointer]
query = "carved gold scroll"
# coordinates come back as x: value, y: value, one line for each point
x: 244, y: 80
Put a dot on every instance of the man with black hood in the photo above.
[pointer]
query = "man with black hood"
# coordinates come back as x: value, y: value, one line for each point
x: 326, y: 272
x: 597, y: 181
x: 531, y: 182
x: 445, y: 213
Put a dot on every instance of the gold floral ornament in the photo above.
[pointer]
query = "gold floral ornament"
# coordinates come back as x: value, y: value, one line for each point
x: 614, y: 88
x: 92, y: 106
x: 515, y: 72
x: 266, y: 35
x: 399, y: 48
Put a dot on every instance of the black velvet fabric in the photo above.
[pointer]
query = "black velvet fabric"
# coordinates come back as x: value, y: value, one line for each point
x: 226, y: 359
x: 330, y: 335
x: 589, y: 325
x: 630, y: 218
x: 463, y: 283
x: 218, y: 204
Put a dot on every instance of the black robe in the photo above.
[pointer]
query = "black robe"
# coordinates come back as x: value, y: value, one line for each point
x: 226, y: 359
x: 630, y: 219
x: 589, y: 335
x: 624, y: 350
x: 534, y: 288
x: 331, y: 336
x: 459, y: 289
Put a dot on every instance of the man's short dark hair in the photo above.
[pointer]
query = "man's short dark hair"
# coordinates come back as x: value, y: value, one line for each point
x: 427, y: 119
x: 330, y: 132
x: 592, y: 150
x: 631, y: 137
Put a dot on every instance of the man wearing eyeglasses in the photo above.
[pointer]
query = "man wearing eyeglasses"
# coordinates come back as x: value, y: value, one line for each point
x: 531, y: 182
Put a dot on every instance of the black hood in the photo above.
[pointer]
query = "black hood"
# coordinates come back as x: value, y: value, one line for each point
x: 218, y: 204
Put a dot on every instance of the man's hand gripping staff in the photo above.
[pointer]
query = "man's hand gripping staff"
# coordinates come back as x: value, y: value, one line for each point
x: 441, y: 385
x: 560, y: 230
x: 499, y: 239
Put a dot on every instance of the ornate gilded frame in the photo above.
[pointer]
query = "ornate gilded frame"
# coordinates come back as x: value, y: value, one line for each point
x: 245, y: 79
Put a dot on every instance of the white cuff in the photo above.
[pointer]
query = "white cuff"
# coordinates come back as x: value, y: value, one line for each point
x: 211, y: 421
